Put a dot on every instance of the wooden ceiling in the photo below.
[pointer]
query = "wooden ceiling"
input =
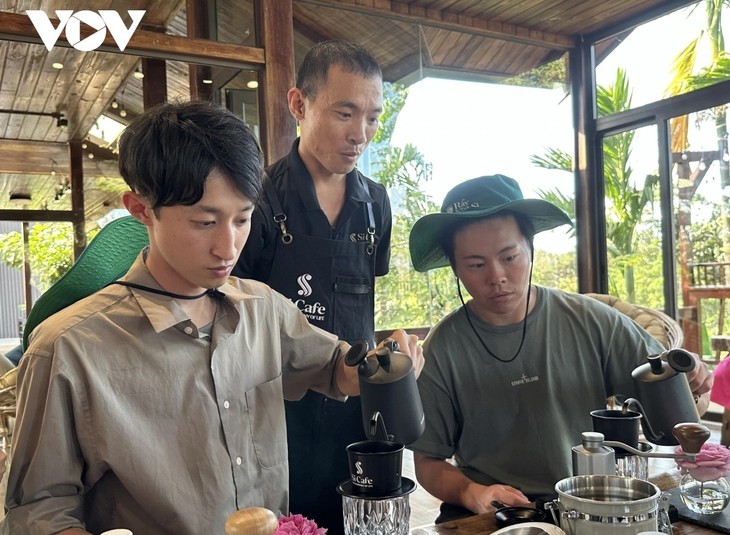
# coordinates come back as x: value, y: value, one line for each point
x: 486, y: 40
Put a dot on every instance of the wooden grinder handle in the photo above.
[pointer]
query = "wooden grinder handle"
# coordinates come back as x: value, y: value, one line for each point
x: 251, y: 521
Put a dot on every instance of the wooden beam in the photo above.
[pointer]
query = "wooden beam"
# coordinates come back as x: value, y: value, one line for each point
x: 18, y: 157
x: 18, y: 27
x: 400, y: 11
x: 277, y: 124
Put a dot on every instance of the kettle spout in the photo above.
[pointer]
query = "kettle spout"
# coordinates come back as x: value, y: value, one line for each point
x: 377, y: 427
x: 633, y: 404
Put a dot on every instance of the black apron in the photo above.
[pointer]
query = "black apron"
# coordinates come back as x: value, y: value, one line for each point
x: 332, y: 282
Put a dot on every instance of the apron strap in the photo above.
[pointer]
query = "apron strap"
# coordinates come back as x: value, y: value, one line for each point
x: 279, y: 215
x: 371, y: 229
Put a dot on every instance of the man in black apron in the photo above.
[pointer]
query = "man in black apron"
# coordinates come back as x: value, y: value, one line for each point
x: 320, y: 236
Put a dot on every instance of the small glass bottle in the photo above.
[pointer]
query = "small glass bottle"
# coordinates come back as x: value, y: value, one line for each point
x: 704, y: 497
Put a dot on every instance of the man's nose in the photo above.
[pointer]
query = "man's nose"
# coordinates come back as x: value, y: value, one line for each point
x: 358, y: 134
x: 497, y: 275
x: 225, y: 243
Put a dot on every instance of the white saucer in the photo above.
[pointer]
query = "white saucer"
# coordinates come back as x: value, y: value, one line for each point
x: 524, y: 529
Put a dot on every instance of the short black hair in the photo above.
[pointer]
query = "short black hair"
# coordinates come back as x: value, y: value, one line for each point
x: 167, y: 153
x: 351, y: 57
x: 524, y: 223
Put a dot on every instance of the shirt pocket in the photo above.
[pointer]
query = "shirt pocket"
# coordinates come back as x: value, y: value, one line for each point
x: 267, y: 426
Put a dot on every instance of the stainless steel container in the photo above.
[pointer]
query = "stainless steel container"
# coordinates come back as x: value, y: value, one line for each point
x: 606, y: 505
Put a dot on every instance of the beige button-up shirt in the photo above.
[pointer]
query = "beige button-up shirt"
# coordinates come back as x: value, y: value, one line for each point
x: 129, y: 417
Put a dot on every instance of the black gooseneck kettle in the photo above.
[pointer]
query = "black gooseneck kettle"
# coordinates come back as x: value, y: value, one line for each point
x: 391, y: 404
x: 664, y: 395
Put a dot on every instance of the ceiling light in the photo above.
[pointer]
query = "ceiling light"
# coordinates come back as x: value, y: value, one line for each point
x: 138, y: 74
x: 57, y: 65
x: 123, y: 113
x: 91, y: 156
x: 253, y: 84
x: 20, y: 198
x: 115, y: 104
x: 61, y: 122
x: 207, y: 81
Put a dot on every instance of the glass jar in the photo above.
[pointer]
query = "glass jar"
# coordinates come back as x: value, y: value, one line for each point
x: 704, y: 497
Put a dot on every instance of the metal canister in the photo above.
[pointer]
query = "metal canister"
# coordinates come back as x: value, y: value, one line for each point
x: 609, y: 505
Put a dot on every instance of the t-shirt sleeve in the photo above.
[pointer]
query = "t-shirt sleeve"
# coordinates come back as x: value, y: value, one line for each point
x: 441, y: 415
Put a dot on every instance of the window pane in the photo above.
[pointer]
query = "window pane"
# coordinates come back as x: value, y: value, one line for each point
x: 633, y: 219
x: 701, y: 184
x: 649, y: 54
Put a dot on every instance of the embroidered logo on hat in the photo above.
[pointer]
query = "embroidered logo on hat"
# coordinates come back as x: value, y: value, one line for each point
x: 463, y: 205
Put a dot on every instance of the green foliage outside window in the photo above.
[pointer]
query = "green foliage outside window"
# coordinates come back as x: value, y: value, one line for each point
x: 50, y: 252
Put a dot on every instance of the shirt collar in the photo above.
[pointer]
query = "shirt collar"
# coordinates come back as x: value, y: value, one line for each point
x: 162, y: 310
x: 356, y: 189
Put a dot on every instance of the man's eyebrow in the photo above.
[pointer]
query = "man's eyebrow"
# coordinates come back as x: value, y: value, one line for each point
x: 215, y: 210
x: 509, y: 248
x: 351, y: 105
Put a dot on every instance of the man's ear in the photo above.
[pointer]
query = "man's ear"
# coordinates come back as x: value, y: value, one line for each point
x: 295, y: 99
x: 137, y: 207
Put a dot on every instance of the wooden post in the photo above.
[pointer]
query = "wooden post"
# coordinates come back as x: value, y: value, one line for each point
x: 76, y: 160
x: 154, y: 83
x: 198, y: 21
x: 278, y: 127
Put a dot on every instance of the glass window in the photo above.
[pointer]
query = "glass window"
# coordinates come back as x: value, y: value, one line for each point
x: 33, y: 255
x: 667, y: 56
x: 701, y: 183
x: 633, y: 218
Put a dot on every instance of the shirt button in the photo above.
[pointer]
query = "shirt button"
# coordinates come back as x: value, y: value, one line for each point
x: 238, y: 461
x: 226, y: 404
x: 188, y: 330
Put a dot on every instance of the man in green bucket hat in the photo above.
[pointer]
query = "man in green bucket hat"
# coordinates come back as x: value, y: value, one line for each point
x: 512, y: 375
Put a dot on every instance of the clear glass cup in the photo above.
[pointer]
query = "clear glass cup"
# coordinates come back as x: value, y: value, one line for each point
x: 388, y: 516
x: 704, y: 497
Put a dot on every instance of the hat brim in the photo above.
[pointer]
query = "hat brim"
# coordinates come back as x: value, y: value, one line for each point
x: 107, y: 257
x: 425, y: 237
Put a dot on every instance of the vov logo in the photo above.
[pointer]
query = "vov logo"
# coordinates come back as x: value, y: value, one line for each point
x: 105, y: 19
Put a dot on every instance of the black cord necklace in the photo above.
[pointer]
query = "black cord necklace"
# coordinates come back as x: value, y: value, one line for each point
x: 524, y: 322
x: 212, y: 292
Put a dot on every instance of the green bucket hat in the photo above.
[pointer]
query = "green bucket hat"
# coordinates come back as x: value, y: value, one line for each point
x: 106, y: 258
x: 477, y: 198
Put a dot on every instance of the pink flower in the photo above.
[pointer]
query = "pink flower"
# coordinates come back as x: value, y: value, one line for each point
x: 712, y: 462
x: 297, y: 525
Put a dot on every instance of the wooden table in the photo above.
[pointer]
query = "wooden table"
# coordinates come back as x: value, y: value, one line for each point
x: 484, y: 523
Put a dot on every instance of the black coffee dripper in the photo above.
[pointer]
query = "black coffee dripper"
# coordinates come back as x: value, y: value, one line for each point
x: 392, y: 417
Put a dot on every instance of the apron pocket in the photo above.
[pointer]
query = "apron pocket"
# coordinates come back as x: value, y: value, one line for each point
x: 352, y: 285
